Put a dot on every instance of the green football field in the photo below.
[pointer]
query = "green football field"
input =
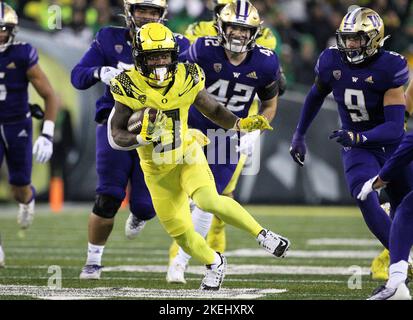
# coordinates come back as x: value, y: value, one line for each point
x: 329, y: 258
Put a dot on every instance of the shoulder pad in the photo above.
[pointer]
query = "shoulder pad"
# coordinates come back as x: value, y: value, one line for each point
x: 397, y: 68
x: 126, y: 83
x: 194, y: 71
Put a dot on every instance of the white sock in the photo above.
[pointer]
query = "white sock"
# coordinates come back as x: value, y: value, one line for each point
x: 202, y: 223
x: 1, y: 253
x: 397, y: 274
x: 94, y: 254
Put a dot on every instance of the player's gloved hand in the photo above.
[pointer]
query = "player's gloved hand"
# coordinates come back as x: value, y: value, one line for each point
x: 247, y: 143
x: 105, y: 74
x: 347, y: 138
x: 251, y: 123
x: 36, y: 111
x: 374, y: 184
x: 298, y: 148
x: 151, y: 132
x: 43, y: 148
x: 198, y: 136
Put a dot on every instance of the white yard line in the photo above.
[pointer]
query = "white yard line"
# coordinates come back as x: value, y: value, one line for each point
x: 248, y: 269
x: 107, y: 293
x: 330, y: 254
x: 343, y: 242
x: 162, y: 279
x: 162, y: 255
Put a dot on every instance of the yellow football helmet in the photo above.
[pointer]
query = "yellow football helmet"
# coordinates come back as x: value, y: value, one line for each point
x: 131, y: 5
x: 239, y: 13
x: 360, y: 35
x: 155, y: 39
x: 8, y: 22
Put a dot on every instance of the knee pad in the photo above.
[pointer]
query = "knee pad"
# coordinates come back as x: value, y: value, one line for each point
x: 106, y: 206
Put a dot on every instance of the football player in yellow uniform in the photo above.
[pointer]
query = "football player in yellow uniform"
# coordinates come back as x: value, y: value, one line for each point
x: 216, y: 237
x: 173, y: 162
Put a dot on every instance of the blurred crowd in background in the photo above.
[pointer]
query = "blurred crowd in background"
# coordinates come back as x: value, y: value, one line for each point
x: 303, y: 27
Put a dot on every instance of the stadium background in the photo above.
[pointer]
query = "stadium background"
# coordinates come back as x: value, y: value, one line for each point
x: 303, y: 29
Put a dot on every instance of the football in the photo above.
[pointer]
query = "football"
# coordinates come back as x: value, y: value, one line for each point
x: 135, y: 120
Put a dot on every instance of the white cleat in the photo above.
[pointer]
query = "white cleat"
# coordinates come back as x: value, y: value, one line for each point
x: 26, y: 214
x: 91, y: 272
x: 386, y: 293
x: 133, y: 226
x: 2, y: 258
x: 273, y: 243
x: 214, y: 275
x: 176, y: 273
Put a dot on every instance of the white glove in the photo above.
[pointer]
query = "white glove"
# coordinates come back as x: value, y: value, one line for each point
x: 43, y: 149
x: 247, y: 142
x: 108, y: 73
x: 368, y: 188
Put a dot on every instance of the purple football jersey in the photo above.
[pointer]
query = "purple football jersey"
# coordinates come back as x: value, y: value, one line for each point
x: 359, y: 89
x: 14, y: 63
x: 111, y: 47
x: 233, y: 86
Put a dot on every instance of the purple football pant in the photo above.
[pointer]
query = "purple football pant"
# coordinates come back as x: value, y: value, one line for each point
x: 16, y: 147
x: 222, y: 159
x: 115, y: 168
x: 359, y: 166
x: 401, y: 232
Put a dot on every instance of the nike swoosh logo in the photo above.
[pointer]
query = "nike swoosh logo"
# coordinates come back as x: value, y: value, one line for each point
x: 283, y: 243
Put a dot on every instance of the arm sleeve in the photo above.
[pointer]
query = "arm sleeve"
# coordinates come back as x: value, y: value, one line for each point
x: 391, y: 129
x: 312, y: 105
x: 319, y: 91
x: 82, y: 74
x: 402, y: 157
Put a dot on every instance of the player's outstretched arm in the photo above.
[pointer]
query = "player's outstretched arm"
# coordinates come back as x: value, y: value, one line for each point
x: 269, y: 108
x: 391, y: 169
x: 312, y: 106
x: 119, y: 136
x: 43, y: 147
x: 42, y: 85
x: 215, y: 111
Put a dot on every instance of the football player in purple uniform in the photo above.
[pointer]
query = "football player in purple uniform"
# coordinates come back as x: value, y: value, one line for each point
x: 401, y: 232
x: 235, y: 69
x: 110, y: 54
x: 401, y: 239
x: 367, y: 85
x: 19, y: 67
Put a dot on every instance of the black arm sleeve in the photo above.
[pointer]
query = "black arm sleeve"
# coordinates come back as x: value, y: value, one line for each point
x: 268, y: 92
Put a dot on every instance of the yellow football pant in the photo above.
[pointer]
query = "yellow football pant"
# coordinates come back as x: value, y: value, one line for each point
x: 170, y: 190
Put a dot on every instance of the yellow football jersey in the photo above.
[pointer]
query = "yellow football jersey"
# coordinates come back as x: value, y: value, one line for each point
x: 196, y: 30
x: 131, y: 89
